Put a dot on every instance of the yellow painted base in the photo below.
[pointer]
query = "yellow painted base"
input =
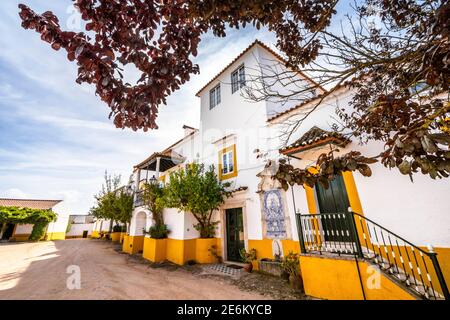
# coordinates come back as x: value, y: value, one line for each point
x: 203, y: 250
x: 55, y: 236
x: 443, y: 256
x: 337, y: 279
x: 180, y: 251
x: 133, y: 244
x: 95, y: 235
x: 122, y: 235
x: 154, y: 249
x: 115, y: 236
x: 177, y: 251
x: 19, y: 237
x: 264, y: 249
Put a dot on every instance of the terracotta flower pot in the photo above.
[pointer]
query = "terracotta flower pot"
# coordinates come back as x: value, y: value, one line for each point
x: 248, y: 267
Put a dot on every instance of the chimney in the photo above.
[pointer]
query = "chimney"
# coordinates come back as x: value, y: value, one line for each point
x: 188, y: 130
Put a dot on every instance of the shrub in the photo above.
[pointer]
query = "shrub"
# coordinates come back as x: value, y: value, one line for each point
x: 38, y: 231
x: 118, y: 228
x: 249, y: 256
x: 290, y: 264
x: 158, y: 231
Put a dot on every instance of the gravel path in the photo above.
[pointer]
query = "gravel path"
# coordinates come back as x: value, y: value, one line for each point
x: 39, y: 271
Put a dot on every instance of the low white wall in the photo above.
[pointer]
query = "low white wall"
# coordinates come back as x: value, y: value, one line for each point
x: 23, y: 229
x: 77, y: 229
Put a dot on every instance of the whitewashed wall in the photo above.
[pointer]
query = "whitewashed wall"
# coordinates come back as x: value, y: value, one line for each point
x: 77, y: 229
x: 23, y: 229
x: 418, y: 211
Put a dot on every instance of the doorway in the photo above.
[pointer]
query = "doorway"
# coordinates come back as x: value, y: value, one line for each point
x: 235, y: 233
x: 335, y: 200
x: 8, y: 231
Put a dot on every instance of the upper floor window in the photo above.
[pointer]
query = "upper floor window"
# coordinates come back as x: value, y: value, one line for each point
x: 214, y: 96
x: 227, y: 163
x: 237, y: 79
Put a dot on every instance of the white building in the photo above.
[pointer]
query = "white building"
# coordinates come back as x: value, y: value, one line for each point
x: 240, y: 137
x: 56, y: 230
x: 80, y: 226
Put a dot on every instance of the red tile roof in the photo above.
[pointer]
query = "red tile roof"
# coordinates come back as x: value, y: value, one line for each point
x: 29, y: 203
x: 315, y: 137
x: 256, y: 42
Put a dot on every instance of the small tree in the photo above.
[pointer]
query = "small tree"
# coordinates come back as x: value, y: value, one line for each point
x: 113, y: 203
x: 153, y: 197
x: 197, y: 191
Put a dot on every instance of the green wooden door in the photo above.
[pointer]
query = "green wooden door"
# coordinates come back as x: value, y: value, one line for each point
x: 334, y: 200
x: 235, y: 233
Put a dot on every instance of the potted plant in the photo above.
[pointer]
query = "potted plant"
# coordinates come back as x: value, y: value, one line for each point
x: 291, y: 265
x: 247, y: 258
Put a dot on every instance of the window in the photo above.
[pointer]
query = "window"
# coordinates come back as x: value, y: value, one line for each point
x: 214, y: 96
x: 237, y: 79
x: 227, y: 163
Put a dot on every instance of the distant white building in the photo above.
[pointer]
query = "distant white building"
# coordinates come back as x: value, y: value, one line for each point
x: 56, y: 230
x: 80, y: 226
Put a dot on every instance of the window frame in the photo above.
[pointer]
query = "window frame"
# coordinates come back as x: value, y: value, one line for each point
x: 230, y: 154
x: 238, y: 78
x: 214, y: 97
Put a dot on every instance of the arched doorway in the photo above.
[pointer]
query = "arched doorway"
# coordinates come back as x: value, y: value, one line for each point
x: 141, y: 223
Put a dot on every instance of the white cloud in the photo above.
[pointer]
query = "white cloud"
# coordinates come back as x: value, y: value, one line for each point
x: 14, y: 193
x: 62, y: 140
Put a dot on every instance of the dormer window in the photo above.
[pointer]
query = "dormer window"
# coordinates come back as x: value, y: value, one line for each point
x: 237, y: 79
x: 214, y: 96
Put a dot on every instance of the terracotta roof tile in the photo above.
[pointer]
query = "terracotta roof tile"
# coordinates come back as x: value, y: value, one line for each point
x: 315, y: 137
x: 29, y: 203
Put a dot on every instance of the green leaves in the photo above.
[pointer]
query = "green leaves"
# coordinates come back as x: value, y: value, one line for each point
x: 25, y: 215
x: 113, y: 203
x: 197, y: 191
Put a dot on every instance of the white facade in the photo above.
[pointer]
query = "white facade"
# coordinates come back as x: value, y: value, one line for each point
x: 416, y: 211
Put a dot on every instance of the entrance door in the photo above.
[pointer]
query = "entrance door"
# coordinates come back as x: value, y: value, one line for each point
x: 8, y: 231
x: 235, y: 233
x: 334, y: 200
x: 85, y: 233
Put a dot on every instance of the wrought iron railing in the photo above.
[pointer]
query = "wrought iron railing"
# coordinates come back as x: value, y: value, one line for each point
x: 353, y: 234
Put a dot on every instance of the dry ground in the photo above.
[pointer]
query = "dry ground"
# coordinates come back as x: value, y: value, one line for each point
x: 39, y: 271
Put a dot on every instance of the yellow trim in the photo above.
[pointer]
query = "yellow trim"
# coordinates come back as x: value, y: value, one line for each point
x: 235, y: 169
x: 310, y: 199
x: 338, y: 279
x: 19, y: 237
x: 176, y: 250
x: 55, y: 236
x: 352, y: 192
x: 202, y: 250
x: 95, y: 234
x: 115, y: 236
x: 154, y: 249
x: 133, y: 244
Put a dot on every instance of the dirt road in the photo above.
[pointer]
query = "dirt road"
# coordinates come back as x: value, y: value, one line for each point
x: 39, y: 271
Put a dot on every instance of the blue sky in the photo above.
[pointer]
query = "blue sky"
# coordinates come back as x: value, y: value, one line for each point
x: 56, y: 140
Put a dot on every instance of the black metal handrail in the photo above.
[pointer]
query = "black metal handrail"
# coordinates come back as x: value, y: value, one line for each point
x: 353, y: 234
